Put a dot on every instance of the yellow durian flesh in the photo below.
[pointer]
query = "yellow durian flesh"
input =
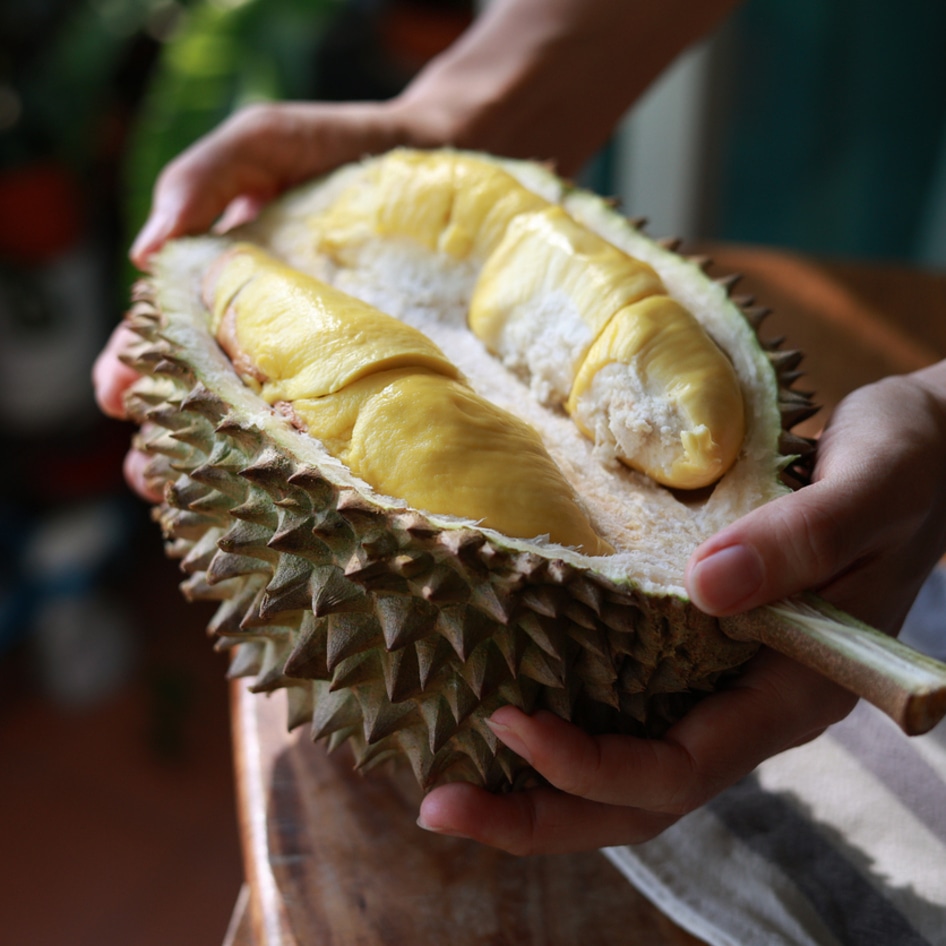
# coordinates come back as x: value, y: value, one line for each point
x: 447, y: 202
x: 387, y: 403
x: 663, y: 391
x: 303, y: 336
x: 547, y: 292
x: 438, y: 445
x: 546, y: 289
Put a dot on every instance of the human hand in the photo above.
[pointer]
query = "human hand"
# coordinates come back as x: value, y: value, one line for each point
x: 111, y: 378
x: 867, y: 531
x: 223, y: 180
x: 225, y: 177
x: 864, y: 535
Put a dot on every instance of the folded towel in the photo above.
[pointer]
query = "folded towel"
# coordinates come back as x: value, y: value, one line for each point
x: 840, y: 841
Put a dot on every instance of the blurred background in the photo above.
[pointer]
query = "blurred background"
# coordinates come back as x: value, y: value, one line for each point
x: 816, y: 125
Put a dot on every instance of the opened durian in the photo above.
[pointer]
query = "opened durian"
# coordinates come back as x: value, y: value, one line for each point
x: 440, y: 433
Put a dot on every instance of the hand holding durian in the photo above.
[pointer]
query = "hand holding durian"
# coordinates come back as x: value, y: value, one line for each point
x: 401, y: 630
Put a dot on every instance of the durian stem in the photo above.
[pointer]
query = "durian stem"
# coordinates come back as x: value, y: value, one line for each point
x: 908, y: 686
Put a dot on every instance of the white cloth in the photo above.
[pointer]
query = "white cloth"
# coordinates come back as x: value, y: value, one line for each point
x: 841, y: 841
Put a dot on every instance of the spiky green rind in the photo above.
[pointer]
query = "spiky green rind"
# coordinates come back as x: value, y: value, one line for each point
x: 390, y: 631
x: 394, y: 631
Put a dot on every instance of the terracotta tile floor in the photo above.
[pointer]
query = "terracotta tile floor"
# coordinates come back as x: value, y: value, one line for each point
x: 117, y: 820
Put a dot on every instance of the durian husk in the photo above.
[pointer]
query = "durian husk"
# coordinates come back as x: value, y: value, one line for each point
x: 397, y: 631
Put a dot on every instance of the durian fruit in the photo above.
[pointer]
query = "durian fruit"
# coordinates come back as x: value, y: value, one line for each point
x: 356, y: 408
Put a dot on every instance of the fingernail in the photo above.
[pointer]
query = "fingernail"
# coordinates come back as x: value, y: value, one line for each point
x: 150, y: 237
x: 727, y: 578
x: 509, y: 737
x: 445, y: 832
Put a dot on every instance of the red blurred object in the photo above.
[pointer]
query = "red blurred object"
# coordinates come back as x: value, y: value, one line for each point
x: 40, y: 212
x: 413, y: 33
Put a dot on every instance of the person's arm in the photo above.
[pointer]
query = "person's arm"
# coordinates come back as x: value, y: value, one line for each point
x: 545, y: 79
x: 549, y: 79
x: 864, y: 535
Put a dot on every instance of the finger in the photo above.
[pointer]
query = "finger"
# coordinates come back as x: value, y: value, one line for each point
x: 135, y: 469
x: 775, y: 704
x: 241, y: 210
x: 255, y: 155
x: 598, y: 768
x: 196, y: 188
x: 111, y: 377
x: 621, y: 790
x: 795, y: 543
x: 863, y: 534
x: 252, y: 155
x: 535, y: 821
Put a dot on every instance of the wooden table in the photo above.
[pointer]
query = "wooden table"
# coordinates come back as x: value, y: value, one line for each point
x: 336, y: 858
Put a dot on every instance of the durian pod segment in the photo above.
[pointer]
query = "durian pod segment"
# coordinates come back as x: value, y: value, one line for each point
x: 546, y: 293
x: 658, y: 387
x: 446, y: 201
x: 383, y: 399
x: 305, y: 338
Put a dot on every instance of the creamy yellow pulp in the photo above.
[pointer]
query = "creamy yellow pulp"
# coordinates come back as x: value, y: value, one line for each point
x: 386, y: 402
x: 592, y: 327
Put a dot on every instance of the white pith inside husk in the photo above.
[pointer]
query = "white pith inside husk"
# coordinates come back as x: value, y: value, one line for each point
x: 654, y: 529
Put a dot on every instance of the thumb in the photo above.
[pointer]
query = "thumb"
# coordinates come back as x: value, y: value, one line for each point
x: 795, y: 543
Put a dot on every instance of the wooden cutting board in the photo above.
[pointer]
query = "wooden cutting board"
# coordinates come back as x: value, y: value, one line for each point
x: 334, y: 857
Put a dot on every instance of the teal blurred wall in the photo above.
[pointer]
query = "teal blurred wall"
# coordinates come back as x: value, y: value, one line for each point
x: 835, y: 138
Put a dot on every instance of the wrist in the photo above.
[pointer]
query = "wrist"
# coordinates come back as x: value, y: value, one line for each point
x: 549, y: 79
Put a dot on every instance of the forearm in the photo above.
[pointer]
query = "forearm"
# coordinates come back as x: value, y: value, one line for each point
x: 549, y: 79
